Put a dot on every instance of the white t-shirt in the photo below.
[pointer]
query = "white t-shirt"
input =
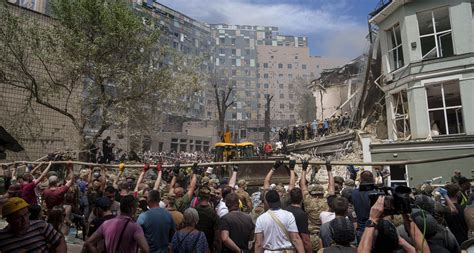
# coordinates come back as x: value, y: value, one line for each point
x: 273, y: 237
x: 221, y: 209
x: 326, y: 216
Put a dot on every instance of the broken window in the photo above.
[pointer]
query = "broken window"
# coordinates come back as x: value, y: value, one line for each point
x: 445, y: 108
x: 435, y: 33
x: 395, y: 49
x: 401, y: 119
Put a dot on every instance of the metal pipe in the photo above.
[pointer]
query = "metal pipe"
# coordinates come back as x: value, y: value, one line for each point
x: 266, y: 162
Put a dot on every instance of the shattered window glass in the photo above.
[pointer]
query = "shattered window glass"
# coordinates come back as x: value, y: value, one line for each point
x: 445, y: 108
x: 401, y: 118
x: 395, y: 52
x: 435, y: 33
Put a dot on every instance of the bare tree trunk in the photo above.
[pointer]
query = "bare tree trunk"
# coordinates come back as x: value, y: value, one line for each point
x: 266, y: 135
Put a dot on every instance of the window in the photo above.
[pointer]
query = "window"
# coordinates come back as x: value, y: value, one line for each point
x: 265, y: 75
x: 221, y: 40
x: 445, y: 108
x: 265, y: 65
x: 289, y: 66
x: 290, y: 86
x: 222, y: 50
x: 233, y: 51
x: 247, y: 51
x: 234, y: 62
x: 401, y: 120
x: 395, y: 51
x: 282, y: 96
x: 281, y: 86
x: 282, y: 106
x: 258, y: 86
x: 280, y: 75
x: 265, y: 85
x: 290, y: 76
x: 248, y: 93
x: 435, y: 33
x: 247, y: 42
x: 232, y: 41
x: 221, y: 60
x: 303, y: 66
x: 296, y: 57
x: 292, y: 106
x: 280, y: 66
x: 292, y: 116
x: 234, y: 72
x: 290, y: 96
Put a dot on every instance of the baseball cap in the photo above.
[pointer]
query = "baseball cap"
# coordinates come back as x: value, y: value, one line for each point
x: 338, y: 180
x: 53, y: 179
x: 316, y: 189
x: 12, y: 205
x: 343, y: 230
x: 204, y: 192
x: 273, y: 199
x: 103, y: 203
x: 242, y: 182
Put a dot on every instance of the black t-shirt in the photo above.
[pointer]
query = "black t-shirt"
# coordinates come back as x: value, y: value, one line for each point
x: 208, y: 222
x: 301, y: 218
x: 457, y: 224
x: 240, y: 227
x: 97, y: 221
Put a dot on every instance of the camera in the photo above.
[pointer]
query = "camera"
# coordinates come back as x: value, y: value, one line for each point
x: 397, y: 199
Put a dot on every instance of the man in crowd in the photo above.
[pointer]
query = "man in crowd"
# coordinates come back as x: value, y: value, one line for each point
x: 276, y: 229
x: 23, y: 235
x: 244, y: 196
x: 121, y: 234
x: 361, y: 202
x: 102, y: 213
x: 236, y: 228
x: 28, y: 192
x: 54, y: 194
x: 314, y: 204
x: 208, y: 219
x: 157, y: 224
x: 455, y: 221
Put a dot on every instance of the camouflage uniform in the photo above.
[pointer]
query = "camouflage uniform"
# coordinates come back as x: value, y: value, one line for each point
x: 244, y: 196
x: 314, y: 206
x: 257, y: 211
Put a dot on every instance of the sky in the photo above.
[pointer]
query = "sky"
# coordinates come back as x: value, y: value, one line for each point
x: 335, y: 28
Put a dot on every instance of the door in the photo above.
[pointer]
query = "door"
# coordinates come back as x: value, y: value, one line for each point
x: 398, y: 175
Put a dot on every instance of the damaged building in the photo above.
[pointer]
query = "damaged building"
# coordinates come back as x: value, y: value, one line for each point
x: 336, y: 90
x: 427, y: 61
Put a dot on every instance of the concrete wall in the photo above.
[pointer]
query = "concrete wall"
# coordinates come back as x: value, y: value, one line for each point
x: 418, y: 173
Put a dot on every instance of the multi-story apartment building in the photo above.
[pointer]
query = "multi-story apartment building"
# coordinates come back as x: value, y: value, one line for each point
x: 427, y: 53
x: 187, y: 36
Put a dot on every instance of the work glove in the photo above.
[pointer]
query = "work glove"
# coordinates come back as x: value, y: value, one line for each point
x: 195, y: 168
x: 235, y: 168
x: 158, y: 167
x: 146, y: 167
x: 328, y: 165
x: 278, y: 164
x: 292, y: 164
x: 304, y: 165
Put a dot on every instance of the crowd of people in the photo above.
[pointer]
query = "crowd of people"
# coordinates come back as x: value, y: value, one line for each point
x: 193, y: 210
x: 311, y: 130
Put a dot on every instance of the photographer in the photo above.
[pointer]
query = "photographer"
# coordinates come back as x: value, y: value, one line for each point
x: 360, y: 199
x: 387, y: 239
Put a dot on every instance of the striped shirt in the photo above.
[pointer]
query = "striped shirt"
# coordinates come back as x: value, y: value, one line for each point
x: 40, y: 237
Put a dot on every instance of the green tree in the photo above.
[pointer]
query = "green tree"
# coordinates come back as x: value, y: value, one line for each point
x: 98, y: 53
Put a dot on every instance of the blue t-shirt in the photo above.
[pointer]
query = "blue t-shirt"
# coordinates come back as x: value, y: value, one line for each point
x: 362, y: 208
x: 157, y: 224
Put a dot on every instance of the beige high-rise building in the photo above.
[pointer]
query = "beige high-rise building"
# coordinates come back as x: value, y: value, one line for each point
x: 285, y: 72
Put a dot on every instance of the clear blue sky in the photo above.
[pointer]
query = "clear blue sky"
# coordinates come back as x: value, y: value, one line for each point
x: 335, y: 28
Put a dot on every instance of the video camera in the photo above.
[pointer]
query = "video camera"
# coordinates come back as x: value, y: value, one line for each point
x: 397, y: 199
